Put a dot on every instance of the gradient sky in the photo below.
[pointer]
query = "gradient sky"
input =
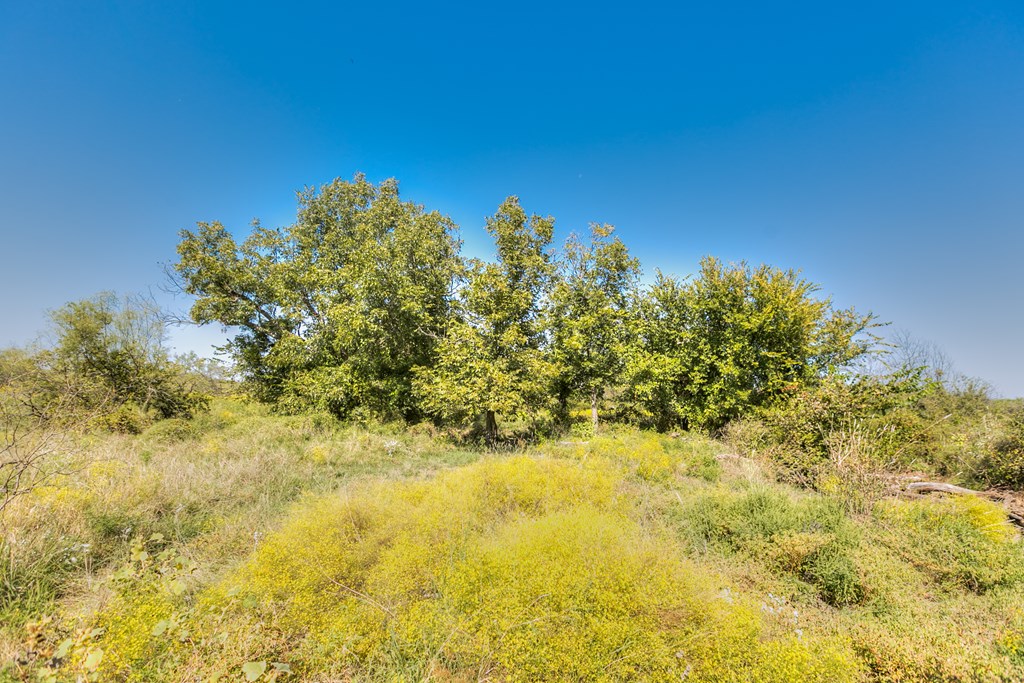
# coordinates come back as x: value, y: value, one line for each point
x: 876, y: 146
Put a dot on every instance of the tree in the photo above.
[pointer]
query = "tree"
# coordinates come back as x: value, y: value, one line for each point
x: 113, y: 350
x: 590, y: 315
x: 491, y: 359
x: 334, y: 311
x: 108, y: 367
x: 734, y: 339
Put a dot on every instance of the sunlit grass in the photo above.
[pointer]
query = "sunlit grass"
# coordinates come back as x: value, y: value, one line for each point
x: 377, y: 553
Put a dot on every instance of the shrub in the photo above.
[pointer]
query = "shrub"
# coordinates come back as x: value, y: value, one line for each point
x: 119, y: 345
x: 963, y: 541
x: 171, y: 430
x: 809, y: 538
x: 795, y: 434
x: 1003, y: 463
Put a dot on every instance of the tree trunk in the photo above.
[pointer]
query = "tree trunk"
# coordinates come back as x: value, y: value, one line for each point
x: 593, y: 408
x: 490, y: 427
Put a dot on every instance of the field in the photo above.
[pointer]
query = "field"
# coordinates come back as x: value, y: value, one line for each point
x: 246, y: 546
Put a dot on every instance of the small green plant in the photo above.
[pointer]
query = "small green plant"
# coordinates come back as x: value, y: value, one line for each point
x: 1003, y: 463
x: 810, y: 538
x: 963, y: 541
x: 53, y: 659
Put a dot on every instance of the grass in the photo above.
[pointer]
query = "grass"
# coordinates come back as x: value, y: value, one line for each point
x: 250, y: 546
x: 214, y: 485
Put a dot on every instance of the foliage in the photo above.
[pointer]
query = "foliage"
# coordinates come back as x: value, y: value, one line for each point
x: 633, y: 540
x: 962, y: 541
x: 732, y: 340
x: 1003, y: 462
x: 37, y: 438
x: 491, y: 359
x: 108, y: 368
x: 810, y: 538
x: 520, y: 569
x: 590, y: 315
x: 335, y: 310
x: 364, y: 307
x: 622, y: 555
x: 845, y: 433
x: 817, y: 425
x: 118, y: 347
x: 216, y: 480
x: 651, y: 458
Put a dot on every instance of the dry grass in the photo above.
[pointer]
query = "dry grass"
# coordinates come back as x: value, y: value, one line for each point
x: 891, y: 585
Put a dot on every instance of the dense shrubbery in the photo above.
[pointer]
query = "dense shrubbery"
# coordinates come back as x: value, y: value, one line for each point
x: 964, y: 541
x: 108, y: 365
x: 108, y: 369
x: 844, y: 434
x: 810, y: 538
x: 1002, y: 464
x: 365, y: 308
x: 730, y: 341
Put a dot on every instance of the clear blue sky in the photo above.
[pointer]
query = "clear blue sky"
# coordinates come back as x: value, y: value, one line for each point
x: 877, y: 146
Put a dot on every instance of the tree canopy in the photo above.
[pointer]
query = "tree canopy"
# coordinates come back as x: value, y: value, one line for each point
x: 335, y: 310
x: 590, y: 316
x: 732, y: 339
x: 492, y: 359
x: 366, y: 307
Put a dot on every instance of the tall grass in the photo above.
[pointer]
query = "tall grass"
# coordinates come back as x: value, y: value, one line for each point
x: 214, y: 484
x: 241, y: 543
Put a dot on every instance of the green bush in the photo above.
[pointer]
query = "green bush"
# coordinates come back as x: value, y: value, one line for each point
x: 832, y: 571
x: 1003, y: 463
x: 963, y: 541
x: 810, y: 538
x: 795, y: 434
x: 171, y: 430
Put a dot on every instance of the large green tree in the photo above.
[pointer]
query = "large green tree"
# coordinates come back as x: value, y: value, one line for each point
x: 492, y: 361
x: 334, y: 311
x: 732, y: 339
x: 590, y: 316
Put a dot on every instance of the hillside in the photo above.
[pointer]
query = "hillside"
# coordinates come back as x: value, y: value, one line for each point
x: 241, y: 545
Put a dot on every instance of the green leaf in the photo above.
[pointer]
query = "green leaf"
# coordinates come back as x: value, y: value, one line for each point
x: 177, y: 586
x: 160, y: 627
x: 253, y: 670
x: 93, y: 659
x: 123, y: 574
x: 282, y: 667
x: 62, y: 650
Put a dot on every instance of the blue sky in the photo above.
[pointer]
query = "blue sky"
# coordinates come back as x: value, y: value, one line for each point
x: 876, y: 146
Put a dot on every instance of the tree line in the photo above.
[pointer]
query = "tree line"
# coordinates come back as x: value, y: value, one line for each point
x: 366, y: 307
